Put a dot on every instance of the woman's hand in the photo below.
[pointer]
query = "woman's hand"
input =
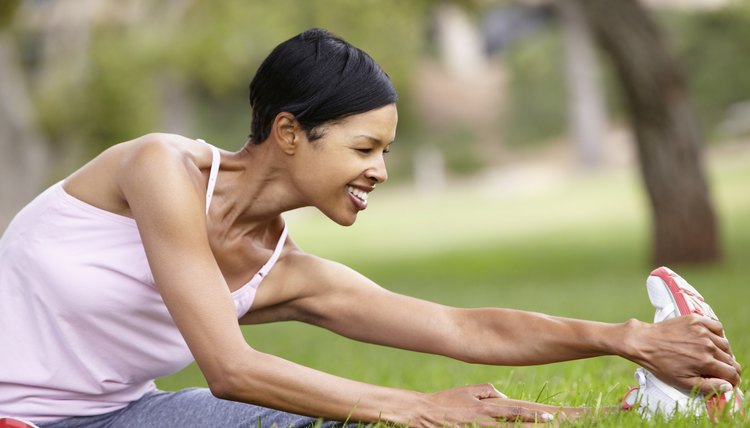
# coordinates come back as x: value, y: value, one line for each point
x: 482, y: 405
x: 687, y: 352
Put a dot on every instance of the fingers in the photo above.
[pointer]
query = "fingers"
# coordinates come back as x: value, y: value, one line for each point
x: 719, y: 348
x: 486, y: 390
x: 737, y: 367
x: 724, y: 365
x: 724, y: 354
x: 710, y: 386
x: 500, y: 407
x: 694, y: 353
x: 729, y: 360
x: 537, y: 407
x: 725, y: 372
x: 711, y: 324
x: 514, y: 412
x: 721, y: 343
x: 519, y: 411
x: 484, y: 405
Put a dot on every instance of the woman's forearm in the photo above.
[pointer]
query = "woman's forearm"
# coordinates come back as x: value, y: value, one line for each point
x: 270, y: 381
x: 512, y: 337
x: 686, y: 352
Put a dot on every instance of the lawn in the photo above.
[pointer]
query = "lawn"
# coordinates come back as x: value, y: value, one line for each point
x: 577, y: 246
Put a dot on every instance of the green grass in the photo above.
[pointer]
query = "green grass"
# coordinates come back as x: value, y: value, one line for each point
x: 578, y: 248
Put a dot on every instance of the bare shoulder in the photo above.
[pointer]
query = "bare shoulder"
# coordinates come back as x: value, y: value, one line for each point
x: 160, y: 147
x: 100, y: 181
x: 299, y: 284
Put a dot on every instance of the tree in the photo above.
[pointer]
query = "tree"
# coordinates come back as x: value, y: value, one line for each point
x: 77, y: 77
x: 586, y: 101
x: 668, y: 139
x: 24, y: 157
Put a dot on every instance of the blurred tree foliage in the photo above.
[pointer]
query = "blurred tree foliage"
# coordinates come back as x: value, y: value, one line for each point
x: 537, y: 90
x: 714, y: 47
x: 7, y: 11
x: 196, y: 59
x: 711, y: 45
x: 184, y: 66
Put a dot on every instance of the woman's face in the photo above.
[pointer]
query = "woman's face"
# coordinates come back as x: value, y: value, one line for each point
x: 337, y: 172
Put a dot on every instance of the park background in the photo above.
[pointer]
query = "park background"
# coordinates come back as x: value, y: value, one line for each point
x: 516, y: 178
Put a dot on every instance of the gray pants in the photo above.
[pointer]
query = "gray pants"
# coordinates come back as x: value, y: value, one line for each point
x: 191, y: 408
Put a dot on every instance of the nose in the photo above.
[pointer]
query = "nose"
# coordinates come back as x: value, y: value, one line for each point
x: 377, y: 172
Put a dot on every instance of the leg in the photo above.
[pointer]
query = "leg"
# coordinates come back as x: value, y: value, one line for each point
x: 193, y: 407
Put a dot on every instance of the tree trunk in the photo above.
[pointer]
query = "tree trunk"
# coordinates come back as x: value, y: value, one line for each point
x: 586, y: 105
x: 23, y: 163
x: 669, y: 143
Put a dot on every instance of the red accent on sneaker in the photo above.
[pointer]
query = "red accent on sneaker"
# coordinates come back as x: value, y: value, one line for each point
x: 715, y: 406
x: 625, y: 405
x: 13, y: 423
x: 677, y: 292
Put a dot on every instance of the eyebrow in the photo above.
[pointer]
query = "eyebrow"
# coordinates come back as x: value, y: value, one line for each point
x: 373, y: 139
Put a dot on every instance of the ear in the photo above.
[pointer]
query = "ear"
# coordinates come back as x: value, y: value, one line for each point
x: 286, y: 132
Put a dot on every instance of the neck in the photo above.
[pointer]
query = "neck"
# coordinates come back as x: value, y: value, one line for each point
x: 253, y: 188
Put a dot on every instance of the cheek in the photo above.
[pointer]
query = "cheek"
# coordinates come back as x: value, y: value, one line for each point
x: 331, y: 170
x: 321, y: 179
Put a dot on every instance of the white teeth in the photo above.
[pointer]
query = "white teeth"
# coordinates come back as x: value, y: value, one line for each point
x: 361, y: 194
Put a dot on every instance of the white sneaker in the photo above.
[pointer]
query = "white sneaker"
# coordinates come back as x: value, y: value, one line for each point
x: 672, y: 297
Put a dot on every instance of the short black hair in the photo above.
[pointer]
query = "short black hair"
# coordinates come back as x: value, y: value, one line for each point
x: 318, y: 77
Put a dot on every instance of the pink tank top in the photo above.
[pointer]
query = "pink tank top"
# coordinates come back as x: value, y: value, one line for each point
x: 83, y: 329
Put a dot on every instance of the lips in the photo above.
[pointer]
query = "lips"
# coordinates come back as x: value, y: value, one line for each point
x: 358, y: 196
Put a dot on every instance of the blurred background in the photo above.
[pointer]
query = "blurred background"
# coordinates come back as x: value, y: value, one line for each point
x: 558, y: 148
x: 516, y: 93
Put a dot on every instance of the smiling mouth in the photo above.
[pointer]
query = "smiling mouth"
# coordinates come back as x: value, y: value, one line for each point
x: 361, y: 195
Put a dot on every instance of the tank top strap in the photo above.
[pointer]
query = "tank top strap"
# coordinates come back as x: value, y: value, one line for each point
x: 215, y: 162
x: 255, y: 281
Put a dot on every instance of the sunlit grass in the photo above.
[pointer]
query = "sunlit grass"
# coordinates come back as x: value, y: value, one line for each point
x: 578, y: 247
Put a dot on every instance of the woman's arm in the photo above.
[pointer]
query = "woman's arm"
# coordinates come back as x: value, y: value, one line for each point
x: 168, y: 208
x: 681, y: 351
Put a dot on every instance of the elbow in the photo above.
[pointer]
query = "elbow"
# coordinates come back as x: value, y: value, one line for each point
x: 227, y: 380
x: 472, y: 355
x: 468, y: 352
x: 469, y: 358
x: 221, y: 385
x: 221, y: 389
x: 469, y: 340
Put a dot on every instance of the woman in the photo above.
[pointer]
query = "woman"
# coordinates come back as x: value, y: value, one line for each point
x: 146, y: 258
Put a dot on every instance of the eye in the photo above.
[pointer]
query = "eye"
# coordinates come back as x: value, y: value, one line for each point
x: 387, y: 150
x: 365, y: 151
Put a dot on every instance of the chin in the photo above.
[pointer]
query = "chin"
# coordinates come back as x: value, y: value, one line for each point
x: 342, y: 220
x: 345, y: 221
